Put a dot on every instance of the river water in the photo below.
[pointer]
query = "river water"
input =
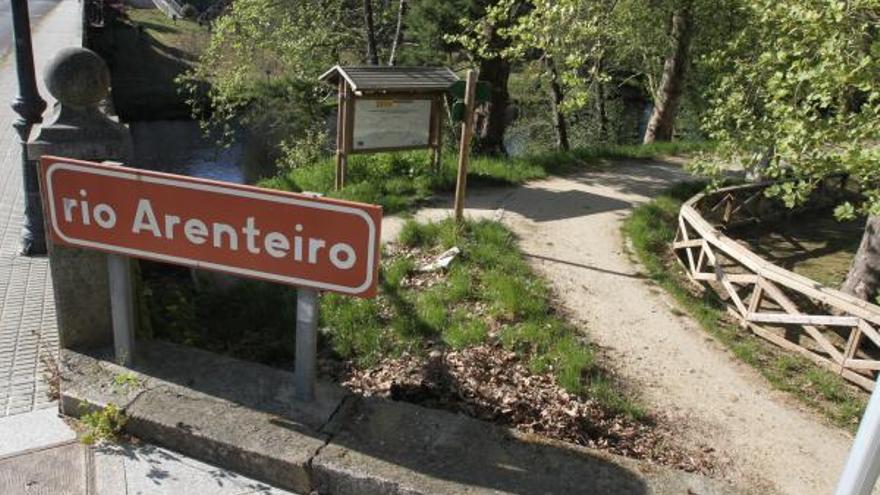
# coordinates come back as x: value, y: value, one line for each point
x: 178, y: 146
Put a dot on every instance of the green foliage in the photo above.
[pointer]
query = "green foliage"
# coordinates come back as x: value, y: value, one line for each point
x: 305, y: 151
x: 597, y: 46
x: 796, y: 96
x: 260, y: 68
x: 126, y: 382
x: 248, y: 319
x: 429, y: 25
x: 103, y: 425
x: 651, y: 229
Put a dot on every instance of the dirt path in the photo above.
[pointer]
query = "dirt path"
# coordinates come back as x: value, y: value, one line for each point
x: 570, y: 227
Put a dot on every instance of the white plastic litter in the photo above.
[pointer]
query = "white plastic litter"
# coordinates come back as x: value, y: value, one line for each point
x: 442, y: 261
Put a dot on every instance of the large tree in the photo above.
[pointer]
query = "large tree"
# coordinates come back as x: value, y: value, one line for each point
x: 667, y: 96
x: 798, y: 97
x: 562, y: 36
x: 370, y: 33
x: 472, y: 32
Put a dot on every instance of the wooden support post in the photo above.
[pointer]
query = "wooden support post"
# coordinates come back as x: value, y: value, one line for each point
x: 464, y: 149
x: 437, y: 112
x: 344, y: 128
x: 852, y: 345
x: 340, y: 133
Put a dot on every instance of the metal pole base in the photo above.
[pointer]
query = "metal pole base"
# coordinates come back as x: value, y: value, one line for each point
x: 306, y: 344
x: 121, y: 307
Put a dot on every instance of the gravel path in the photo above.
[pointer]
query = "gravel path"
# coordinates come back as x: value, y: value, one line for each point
x: 570, y: 228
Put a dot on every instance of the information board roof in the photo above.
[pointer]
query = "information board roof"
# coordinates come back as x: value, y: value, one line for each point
x: 378, y: 79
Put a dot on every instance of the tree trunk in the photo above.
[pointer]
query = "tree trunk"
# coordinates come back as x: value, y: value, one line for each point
x: 601, y: 111
x: 398, y: 33
x: 372, y: 53
x: 490, y: 137
x: 863, y: 280
x: 600, y: 101
x: 559, y: 123
x: 668, y: 93
x: 495, y: 115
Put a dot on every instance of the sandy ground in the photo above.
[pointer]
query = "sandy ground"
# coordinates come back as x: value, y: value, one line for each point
x: 570, y: 228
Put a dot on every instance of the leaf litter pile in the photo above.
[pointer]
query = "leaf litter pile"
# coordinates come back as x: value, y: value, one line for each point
x: 527, y: 369
x: 489, y: 383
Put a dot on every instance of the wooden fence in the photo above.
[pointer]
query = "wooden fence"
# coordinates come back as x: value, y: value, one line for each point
x: 831, y: 328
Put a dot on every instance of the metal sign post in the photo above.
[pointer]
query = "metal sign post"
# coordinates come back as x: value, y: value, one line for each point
x: 121, y: 307
x: 863, y: 465
x: 306, y: 344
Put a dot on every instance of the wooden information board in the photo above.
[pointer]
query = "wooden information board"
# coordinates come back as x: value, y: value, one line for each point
x: 391, y: 123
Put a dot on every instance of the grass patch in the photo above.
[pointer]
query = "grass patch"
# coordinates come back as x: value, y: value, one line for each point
x: 489, y: 295
x: 125, y: 382
x: 651, y: 229
x: 400, y: 181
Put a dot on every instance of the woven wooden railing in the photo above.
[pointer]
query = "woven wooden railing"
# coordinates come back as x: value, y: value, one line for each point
x: 831, y: 328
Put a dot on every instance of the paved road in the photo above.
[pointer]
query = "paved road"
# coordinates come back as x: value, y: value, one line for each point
x: 38, y: 9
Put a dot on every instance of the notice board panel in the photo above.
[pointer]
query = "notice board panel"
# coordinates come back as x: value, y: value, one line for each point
x: 391, y: 123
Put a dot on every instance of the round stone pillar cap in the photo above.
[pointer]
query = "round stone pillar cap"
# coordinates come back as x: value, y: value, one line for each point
x: 77, y: 77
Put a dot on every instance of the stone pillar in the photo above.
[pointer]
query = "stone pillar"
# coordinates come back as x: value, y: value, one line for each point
x: 79, y: 79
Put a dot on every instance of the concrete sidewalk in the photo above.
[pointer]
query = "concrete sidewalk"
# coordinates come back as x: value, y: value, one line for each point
x: 28, y: 332
x: 40, y: 454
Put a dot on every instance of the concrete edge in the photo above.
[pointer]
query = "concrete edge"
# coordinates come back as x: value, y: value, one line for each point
x: 267, y: 447
x: 363, y: 445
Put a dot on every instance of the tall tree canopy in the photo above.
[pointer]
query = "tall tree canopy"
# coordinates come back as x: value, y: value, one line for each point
x: 797, y: 97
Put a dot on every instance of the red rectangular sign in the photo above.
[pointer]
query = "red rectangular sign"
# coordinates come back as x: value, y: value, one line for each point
x: 271, y: 235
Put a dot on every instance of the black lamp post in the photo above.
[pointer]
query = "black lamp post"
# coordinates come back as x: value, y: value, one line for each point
x: 29, y: 106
